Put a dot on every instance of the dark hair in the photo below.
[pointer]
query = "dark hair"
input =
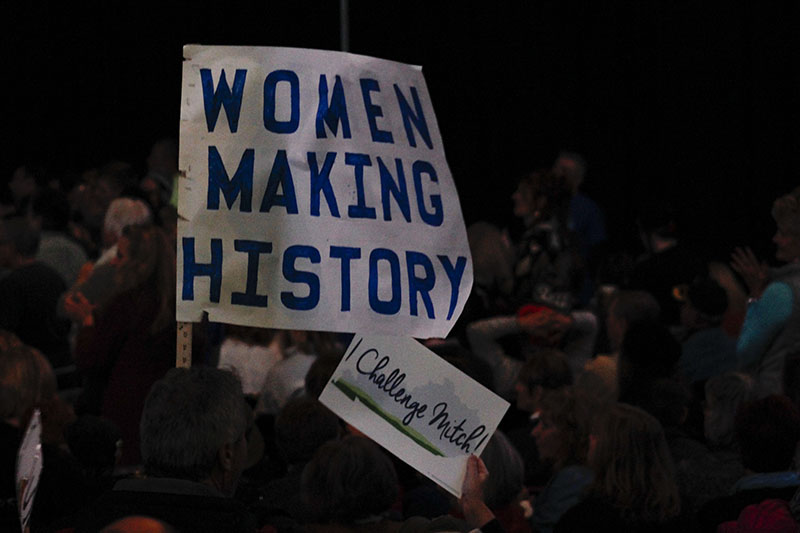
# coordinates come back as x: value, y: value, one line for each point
x: 320, y: 373
x: 21, y: 235
x: 302, y: 426
x: 348, y: 480
x: 52, y: 205
x: 634, y: 306
x: 767, y: 431
x: 553, y: 188
x: 547, y: 368
x: 559, y: 409
x: 189, y: 414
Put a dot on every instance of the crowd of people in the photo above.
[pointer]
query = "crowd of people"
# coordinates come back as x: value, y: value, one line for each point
x: 651, y: 389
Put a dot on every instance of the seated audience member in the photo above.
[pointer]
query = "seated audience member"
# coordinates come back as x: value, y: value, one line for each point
x: 767, y: 431
x: 598, y: 380
x: 350, y: 486
x: 666, y: 261
x: 504, y: 491
x: 634, y: 488
x: 771, y: 329
x: 714, y: 477
x: 30, y: 292
x: 103, y: 185
x: 573, y: 334
x: 492, y: 259
x: 27, y: 382
x: 548, y: 270
x: 129, y: 344
x: 586, y: 219
x: 707, y: 350
x: 724, y: 395
x: 251, y: 353
x: 561, y: 440
x: 96, y: 282
x: 695, y: 464
x: 648, y: 353
x: 286, y: 379
x: 539, y: 377
x: 194, y: 449
x: 301, y: 428
x: 57, y: 249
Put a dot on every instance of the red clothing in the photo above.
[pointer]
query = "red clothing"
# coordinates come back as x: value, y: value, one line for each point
x: 121, y: 360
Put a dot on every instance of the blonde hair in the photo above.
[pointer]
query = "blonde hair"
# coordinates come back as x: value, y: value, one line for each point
x: 633, y: 466
x: 786, y: 212
x: 151, y: 261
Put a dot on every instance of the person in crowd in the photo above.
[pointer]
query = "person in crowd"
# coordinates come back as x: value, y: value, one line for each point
x: 301, y: 428
x: 30, y: 292
x: 666, y: 262
x: 771, y: 329
x: 286, y: 379
x: 586, y: 219
x: 648, y: 353
x: 504, y: 491
x: 96, y: 444
x: 573, y: 334
x: 493, y: 280
x: 96, y: 281
x: 598, y: 381
x: 714, y: 477
x: 162, y: 173
x: 127, y: 345
x: 194, y: 449
x: 350, y: 485
x: 57, y: 248
x: 102, y: 186
x: 707, y: 350
x: 767, y: 431
x: 251, y: 353
x: 561, y: 440
x: 634, y: 487
x: 547, y: 269
x: 26, y: 182
x: 540, y: 376
x: 27, y: 382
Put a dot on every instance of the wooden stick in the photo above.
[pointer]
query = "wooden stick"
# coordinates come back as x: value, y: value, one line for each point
x: 183, y: 357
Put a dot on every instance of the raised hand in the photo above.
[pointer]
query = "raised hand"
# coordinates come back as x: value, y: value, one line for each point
x: 753, y: 272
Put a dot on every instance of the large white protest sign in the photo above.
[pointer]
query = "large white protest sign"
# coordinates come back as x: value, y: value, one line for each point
x: 414, y: 404
x: 315, y: 195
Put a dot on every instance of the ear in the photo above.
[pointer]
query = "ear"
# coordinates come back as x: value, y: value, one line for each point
x: 225, y: 457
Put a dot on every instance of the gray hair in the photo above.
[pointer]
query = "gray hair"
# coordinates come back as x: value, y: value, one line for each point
x: 188, y: 416
x: 507, y: 468
x: 123, y: 212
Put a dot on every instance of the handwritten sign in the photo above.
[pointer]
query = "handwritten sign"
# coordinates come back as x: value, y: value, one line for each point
x: 315, y: 194
x: 29, y: 468
x: 414, y: 404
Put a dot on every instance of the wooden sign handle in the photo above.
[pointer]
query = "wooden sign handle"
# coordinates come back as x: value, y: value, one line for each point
x: 183, y: 357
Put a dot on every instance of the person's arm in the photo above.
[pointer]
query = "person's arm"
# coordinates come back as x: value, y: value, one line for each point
x: 476, y: 512
x: 765, y: 318
x: 482, y: 336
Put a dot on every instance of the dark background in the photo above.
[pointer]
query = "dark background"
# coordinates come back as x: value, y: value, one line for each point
x: 693, y: 102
